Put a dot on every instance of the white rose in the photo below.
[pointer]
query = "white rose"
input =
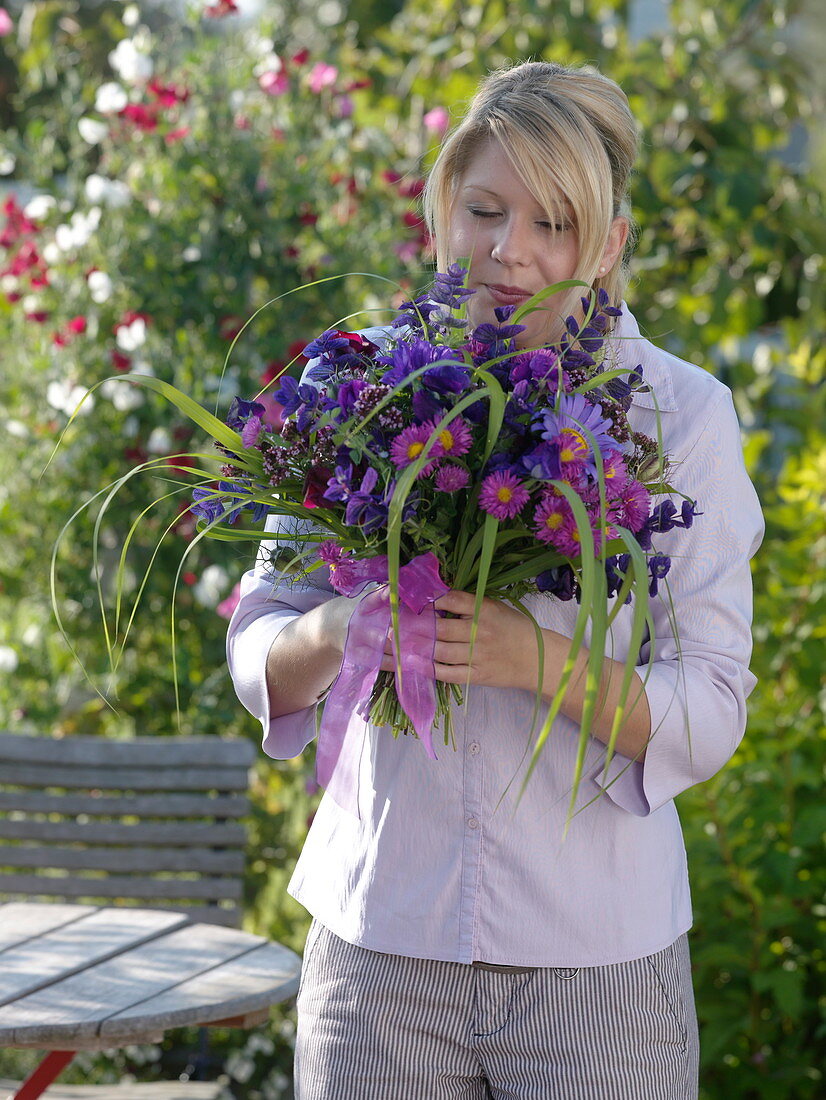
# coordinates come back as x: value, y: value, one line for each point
x: 8, y: 659
x: 112, y: 193
x: 65, y: 397
x: 100, y: 286
x: 123, y: 396
x: 159, y: 442
x: 131, y: 337
x: 211, y: 585
x: 92, y: 130
x: 131, y: 65
x: 110, y: 98
x: 39, y: 207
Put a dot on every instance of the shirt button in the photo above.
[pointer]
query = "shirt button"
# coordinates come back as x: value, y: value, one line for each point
x: 472, y: 823
x: 474, y: 748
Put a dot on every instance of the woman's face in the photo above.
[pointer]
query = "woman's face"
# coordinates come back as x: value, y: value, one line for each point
x: 516, y: 247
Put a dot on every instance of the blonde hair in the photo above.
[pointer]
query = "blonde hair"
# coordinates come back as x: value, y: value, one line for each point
x: 568, y: 131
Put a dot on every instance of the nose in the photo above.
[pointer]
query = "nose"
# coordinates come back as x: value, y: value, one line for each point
x: 511, y: 245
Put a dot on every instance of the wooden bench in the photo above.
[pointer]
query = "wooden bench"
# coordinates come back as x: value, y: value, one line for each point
x: 146, y: 822
x: 151, y: 820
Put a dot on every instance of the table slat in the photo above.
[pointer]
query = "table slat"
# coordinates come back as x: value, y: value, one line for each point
x: 236, y: 988
x: 72, y: 1008
x: 20, y: 920
x: 54, y: 955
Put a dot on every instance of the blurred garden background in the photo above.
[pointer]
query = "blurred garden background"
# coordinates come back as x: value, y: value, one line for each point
x: 167, y: 169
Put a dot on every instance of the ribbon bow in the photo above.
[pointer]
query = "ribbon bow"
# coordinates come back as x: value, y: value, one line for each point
x: 341, y: 735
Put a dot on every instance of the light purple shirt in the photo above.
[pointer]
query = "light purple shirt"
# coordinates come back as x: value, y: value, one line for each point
x: 446, y: 862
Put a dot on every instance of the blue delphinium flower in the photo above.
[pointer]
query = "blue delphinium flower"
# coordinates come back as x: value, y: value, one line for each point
x: 240, y: 411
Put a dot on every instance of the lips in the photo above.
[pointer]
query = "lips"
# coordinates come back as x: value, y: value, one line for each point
x: 507, y: 295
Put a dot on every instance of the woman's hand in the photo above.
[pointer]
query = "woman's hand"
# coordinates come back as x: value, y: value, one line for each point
x: 504, y: 651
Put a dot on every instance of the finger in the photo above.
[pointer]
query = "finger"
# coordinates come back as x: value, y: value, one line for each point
x: 451, y: 653
x: 452, y: 674
x: 453, y: 630
x: 458, y: 603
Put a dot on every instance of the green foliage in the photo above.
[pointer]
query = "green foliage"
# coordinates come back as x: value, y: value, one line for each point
x: 263, y: 193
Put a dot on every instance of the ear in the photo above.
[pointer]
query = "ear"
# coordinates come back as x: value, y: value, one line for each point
x: 617, y: 236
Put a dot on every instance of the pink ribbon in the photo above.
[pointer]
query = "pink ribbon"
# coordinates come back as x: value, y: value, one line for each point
x: 341, y: 735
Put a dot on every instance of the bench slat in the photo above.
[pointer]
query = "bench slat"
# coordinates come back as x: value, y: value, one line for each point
x: 147, y: 805
x: 112, y: 779
x: 120, y: 886
x: 136, y: 752
x: 230, y: 835
x: 202, y: 860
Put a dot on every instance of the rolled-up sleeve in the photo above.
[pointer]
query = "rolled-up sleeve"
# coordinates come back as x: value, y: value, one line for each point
x: 695, y: 667
x: 269, y: 600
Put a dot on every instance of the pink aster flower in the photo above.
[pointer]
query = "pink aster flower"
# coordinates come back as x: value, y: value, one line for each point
x: 549, y: 518
x: 615, y: 472
x: 409, y: 444
x: 453, y: 440
x: 636, y: 505
x: 503, y: 495
x: 451, y: 478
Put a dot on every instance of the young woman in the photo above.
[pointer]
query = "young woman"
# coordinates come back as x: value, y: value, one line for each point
x: 462, y: 947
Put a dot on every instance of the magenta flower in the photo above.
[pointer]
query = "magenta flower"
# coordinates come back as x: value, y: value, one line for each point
x: 409, y: 444
x: 274, y: 82
x: 615, y: 472
x: 453, y: 440
x: 451, y: 478
x: 550, y: 516
x: 436, y: 120
x: 636, y: 504
x: 503, y: 495
x: 6, y: 25
x: 321, y: 76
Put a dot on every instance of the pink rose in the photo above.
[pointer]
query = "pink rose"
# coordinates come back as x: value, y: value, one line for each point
x: 322, y: 76
x: 436, y: 120
x: 274, y: 83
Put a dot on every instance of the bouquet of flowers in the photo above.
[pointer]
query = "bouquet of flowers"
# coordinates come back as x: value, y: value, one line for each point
x: 433, y: 457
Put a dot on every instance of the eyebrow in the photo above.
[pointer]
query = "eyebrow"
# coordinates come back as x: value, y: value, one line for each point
x: 564, y: 204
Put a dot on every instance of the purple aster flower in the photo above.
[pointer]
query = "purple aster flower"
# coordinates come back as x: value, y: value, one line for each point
x: 451, y: 478
x: 251, y: 432
x: 549, y: 519
x: 566, y: 427
x: 635, y: 504
x: 409, y: 444
x: 503, y: 495
x: 240, y: 411
x: 453, y: 440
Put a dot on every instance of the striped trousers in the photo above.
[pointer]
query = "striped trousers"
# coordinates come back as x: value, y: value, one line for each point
x: 373, y: 1026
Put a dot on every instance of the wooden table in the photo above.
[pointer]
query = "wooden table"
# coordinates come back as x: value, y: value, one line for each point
x: 77, y: 977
